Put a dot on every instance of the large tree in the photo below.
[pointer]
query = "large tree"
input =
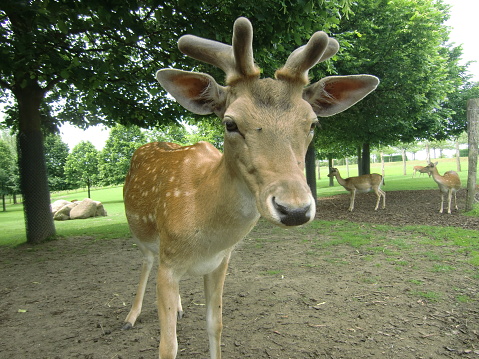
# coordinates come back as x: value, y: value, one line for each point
x: 404, y: 43
x: 93, y: 62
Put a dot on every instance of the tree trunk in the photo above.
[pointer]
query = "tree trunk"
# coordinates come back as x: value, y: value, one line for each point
x: 360, y: 161
x: 382, y: 164
x: 472, y: 121
x: 31, y: 161
x: 428, y: 153
x: 310, y: 163
x: 366, y: 159
x: 347, y: 166
x: 404, y: 161
x: 458, y: 157
x: 318, y: 166
x: 330, y: 165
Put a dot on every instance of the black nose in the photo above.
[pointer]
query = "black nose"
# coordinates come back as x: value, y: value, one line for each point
x: 292, y: 216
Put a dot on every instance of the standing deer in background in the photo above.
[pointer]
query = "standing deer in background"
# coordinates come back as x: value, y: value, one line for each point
x: 191, y: 205
x: 421, y: 170
x: 361, y: 184
x: 448, y: 184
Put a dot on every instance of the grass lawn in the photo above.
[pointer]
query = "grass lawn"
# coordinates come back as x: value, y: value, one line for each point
x: 114, y: 225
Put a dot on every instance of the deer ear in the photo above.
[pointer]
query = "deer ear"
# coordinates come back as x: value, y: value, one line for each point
x: 335, y: 94
x: 195, y: 91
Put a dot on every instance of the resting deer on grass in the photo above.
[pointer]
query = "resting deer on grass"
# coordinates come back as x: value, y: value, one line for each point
x: 421, y: 170
x: 191, y: 205
x: 361, y: 184
x: 448, y: 184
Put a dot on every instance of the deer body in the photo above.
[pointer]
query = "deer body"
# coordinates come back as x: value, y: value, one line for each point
x: 448, y: 185
x: 421, y: 170
x: 361, y: 184
x: 191, y: 205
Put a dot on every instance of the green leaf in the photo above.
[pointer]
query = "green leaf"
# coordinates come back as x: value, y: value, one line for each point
x: 65, y: 74
x: 62, y: 26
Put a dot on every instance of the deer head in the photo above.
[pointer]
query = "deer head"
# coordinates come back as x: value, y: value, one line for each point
x: 269, y: 123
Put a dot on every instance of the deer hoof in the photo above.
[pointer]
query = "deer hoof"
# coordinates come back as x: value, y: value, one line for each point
x: 127, y: 326
x: 179, y: 315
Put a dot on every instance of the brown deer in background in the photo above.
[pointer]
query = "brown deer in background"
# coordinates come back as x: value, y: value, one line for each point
x: 361, y: 184
x: 191, y: 205
x: 448, y: 184
x: 421, y: 170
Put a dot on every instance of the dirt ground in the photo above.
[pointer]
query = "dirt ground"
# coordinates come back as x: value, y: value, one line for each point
x: 284, y: 298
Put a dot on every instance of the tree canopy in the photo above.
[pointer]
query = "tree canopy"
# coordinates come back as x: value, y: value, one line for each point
x: 94, y: 62
x: 404, y: 43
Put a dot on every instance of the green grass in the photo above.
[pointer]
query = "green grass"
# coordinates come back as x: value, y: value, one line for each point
x: 112, y: 226
x: 115, y: 226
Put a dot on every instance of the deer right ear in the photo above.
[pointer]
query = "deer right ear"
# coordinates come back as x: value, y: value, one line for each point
x: 334, y: 94
x: 195, y: 91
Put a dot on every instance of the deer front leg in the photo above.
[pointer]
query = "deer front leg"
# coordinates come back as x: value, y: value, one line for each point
x: 351, y: 203
x: 214, y: 283
x: 167, y: 300
x: 384, y: 197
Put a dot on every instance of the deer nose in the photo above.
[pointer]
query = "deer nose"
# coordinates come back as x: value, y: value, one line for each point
x: 292, y: 216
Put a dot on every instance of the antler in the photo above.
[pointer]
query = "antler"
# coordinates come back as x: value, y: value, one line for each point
x: 236, y: 61
x: 319, y: 48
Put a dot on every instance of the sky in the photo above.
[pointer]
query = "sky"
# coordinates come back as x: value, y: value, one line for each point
x: 463, y: 17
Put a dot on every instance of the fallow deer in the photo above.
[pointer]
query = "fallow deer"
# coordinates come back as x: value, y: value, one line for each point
x: 191, y: 205
x: 448, y: 184
x: 361, y: 184
x: 421, y: 170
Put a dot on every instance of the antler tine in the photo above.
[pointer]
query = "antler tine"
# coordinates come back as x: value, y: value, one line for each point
x: 236, y: 61
x: 243, y: 48
x: 209, y: 51
x: 320, y: 47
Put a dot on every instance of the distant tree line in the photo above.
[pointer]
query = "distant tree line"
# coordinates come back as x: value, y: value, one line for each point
x: 85, y: 166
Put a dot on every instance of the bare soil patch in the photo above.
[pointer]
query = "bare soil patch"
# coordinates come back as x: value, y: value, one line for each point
x: 285, y: 295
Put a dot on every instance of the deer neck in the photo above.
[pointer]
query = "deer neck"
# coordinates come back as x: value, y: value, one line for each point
x: 436, y: 176
x: 341, y: 180
x: 227, y: 198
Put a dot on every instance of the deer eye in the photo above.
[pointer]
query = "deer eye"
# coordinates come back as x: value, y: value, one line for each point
x: 230, y: 125
x: 314, y: 125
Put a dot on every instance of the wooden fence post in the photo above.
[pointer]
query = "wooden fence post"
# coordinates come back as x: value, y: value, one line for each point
x: 472, y: 128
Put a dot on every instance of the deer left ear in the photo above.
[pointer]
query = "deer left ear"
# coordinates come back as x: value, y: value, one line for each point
x: 195, y: 91
x: 335, y: 94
